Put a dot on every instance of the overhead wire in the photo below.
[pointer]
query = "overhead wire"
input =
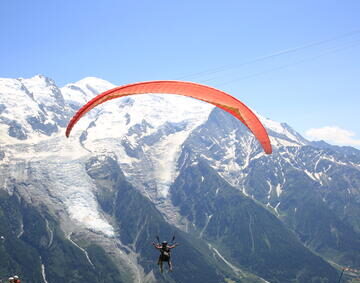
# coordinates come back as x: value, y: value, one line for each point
x: 304, y: 60
x: 266, y: 57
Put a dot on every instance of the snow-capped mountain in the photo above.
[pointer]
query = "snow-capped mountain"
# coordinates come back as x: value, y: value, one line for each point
x: 149, y: 131
x: 157, y: 142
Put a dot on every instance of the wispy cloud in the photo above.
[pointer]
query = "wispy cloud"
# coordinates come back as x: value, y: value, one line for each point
x: 333, y: 134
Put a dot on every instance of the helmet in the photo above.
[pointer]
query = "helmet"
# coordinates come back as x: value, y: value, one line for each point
x: 11, y: 278
x: 164, y: 243
x: 16, y: 277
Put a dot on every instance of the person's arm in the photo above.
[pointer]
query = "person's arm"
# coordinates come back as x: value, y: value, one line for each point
x: 157, y: 246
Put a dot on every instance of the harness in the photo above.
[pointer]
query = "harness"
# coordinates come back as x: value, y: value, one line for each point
x: 165, y: 254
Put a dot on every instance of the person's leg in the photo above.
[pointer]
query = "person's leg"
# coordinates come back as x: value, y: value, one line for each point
x: 160, y: 263
x: 170, y: 265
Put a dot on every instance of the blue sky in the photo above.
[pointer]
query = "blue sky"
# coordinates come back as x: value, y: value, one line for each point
x: 213, y: 42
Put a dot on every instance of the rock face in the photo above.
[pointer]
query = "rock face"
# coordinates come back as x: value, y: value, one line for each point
x: 88, y: 207
x: 313, y: 188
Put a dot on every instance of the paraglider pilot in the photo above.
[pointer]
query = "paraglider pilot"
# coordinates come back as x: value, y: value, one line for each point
x: 165, y: 254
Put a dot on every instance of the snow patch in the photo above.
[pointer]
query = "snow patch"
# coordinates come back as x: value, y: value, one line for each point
x: 278, y: 190
x: 276, y: 208
x: 233, y: 267
x: 43, y: 273
x: 270, y: 189
x: 164, y: 157
x: 83, y: 250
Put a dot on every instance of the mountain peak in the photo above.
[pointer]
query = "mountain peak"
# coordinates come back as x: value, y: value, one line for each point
x: 38, y: 79
x: 92, y: 81
x: 281, y: 134
x: 85, y: 89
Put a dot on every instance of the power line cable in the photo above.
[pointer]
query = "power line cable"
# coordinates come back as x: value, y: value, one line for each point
x: 269, y: 56
x: 330, y: 51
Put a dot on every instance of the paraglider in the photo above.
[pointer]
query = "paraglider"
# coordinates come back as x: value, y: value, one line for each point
x: 201, y: 92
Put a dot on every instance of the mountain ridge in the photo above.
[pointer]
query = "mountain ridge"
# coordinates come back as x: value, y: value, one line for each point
x: 153, y: 147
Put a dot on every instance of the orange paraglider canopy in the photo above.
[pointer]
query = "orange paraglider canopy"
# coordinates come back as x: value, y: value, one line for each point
x: 194, y: 90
